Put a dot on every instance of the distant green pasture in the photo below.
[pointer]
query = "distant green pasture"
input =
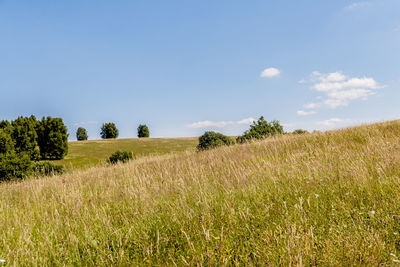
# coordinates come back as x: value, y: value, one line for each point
x: 89, y: 153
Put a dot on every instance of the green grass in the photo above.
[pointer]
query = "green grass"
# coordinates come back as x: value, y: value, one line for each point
x: 89, y: 153
x: 329, y: 199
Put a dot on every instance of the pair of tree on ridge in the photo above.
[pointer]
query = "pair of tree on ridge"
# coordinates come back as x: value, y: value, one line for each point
x: 260, y: 129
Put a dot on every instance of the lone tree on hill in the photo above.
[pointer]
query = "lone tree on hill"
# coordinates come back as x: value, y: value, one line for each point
x: 81, y: 134
x: 143, y: 131
x: 109, y: 130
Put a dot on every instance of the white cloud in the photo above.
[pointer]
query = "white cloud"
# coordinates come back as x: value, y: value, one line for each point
x: 219, y: 124
x: 334, y: 77
x: 315, y: 73
x: 302, y: 81
x: 205, y: 124
x: 305, y: 113
x: 351, y: 94
x: 85, y: 123
x: 270, y: 73
x: 357, y: 5
x: 288, y: 124
x: 334, y: 103
x: 331, y: 122
x: 325, y: 85
x: 311, y: 105
x: 246, y: 121
x: 339, y: 90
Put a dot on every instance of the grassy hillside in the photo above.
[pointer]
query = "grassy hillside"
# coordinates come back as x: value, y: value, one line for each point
x: 325, y: 198
x: 89, y: 153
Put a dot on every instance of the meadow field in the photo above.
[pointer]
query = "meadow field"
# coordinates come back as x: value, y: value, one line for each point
x: 82, y: 154
x: 327, y: 198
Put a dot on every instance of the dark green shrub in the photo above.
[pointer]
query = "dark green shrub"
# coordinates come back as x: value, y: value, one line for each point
x: 45, y: 168
x: 261, y: 129
x: 143, y: 131
x: 81, y: 134
x: 25, y: 137
x: 14, y: 165
x: 4, y: 124
x: 299, y: 131
x: 212, y: 139
x: 52, y: 138
x: 6, y: 142
x: 120, y: 156
x: 109, y: 130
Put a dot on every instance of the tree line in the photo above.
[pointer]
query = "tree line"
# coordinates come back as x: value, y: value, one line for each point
x: 110, y: 131
x: 26, y: 140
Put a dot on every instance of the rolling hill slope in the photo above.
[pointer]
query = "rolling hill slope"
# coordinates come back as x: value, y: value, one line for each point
x: 89, y: 153
x: 325, y: 198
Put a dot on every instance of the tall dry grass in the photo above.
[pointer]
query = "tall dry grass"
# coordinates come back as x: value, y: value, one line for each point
x: 317, y: 199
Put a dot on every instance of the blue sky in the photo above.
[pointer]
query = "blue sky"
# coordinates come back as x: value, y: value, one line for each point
x: 184, y: 67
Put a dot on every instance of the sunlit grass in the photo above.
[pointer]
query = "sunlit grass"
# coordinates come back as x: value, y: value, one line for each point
x: 84, y: 154
x: 316, y: 199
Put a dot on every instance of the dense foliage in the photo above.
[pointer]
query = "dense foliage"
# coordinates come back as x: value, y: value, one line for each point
x: 81, y: 134
x: 52, y: 138
x: 4, y: 124
x: 6, y: 142
x: 261, y: 129
x: 26, y: 139
x: 109, y: 130
x: 143, y: 131
x: 13, y: 165
x: 24, y: 134
x: 120, y: 156
x: 213, y: 139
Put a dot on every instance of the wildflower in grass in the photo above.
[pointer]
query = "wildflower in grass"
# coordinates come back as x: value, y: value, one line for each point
x: 372, y: 212
x: 2, y: 261
x: 393, y: 255
x: 316, y: 195
x: 396, y: 261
